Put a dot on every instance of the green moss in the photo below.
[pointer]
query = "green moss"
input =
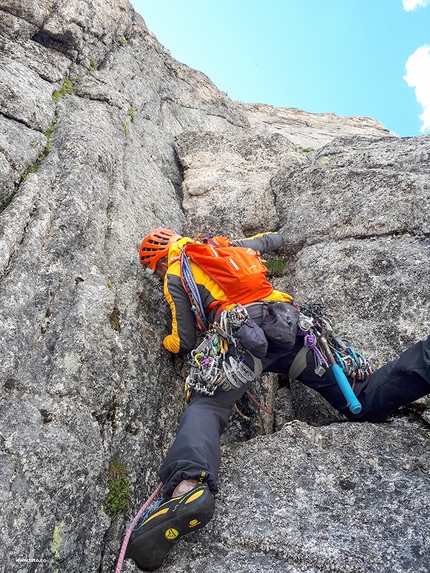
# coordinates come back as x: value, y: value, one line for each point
x: 306, y: 149
x: 115, y: 319
x: 123, y: 41
x: 56, y: 540
x: 93, y: 64
x: 33, y: 168
x: 130, y: 113
x: 117, y: 499
x: 66, y: 89
x: 127, y: 127
x: 8, y: 200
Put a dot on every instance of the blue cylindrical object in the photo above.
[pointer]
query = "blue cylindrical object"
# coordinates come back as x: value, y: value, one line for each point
x: 344, y: 385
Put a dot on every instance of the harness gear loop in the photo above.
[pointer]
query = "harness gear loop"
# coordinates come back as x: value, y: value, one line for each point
x: 330, y: 350
x: 208, y: 365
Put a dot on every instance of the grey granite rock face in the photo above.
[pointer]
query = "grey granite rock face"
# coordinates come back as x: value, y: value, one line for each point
x: 357, y: 227
x: 356, y: 188
x: 333, y: 499
x: 6, y: 178
x: 237, y: 166
x: 20, y: 147
x: 308, y: 130
x: 136, y: 140
x: 25, y: 97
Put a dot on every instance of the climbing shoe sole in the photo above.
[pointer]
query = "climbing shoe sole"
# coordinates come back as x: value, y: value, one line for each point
x: 168, y: 522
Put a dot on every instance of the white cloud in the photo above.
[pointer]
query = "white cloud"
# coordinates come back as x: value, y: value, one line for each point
x: 418, y: 77
x: 409, y: 5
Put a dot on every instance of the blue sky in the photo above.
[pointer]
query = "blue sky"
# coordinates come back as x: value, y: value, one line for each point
x: 348, y: 57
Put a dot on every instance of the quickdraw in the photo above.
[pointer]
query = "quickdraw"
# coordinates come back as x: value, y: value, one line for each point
x: 316, y: 327
x: 219, y: 359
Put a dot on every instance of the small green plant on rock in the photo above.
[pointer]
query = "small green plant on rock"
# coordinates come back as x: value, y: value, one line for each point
x: 8, y: 200
x: 117, y: 499
x: 66, y: 89
x: 130, y: 113
x: 48, y: 134
x: 33, y: 168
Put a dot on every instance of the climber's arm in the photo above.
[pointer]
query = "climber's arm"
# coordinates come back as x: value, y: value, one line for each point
x: 264, y: 242
x: 183, y: 336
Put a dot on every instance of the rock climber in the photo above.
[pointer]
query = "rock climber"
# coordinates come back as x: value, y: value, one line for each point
x: 189, y: 471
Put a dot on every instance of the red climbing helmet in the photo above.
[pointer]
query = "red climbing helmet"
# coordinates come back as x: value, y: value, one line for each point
x: 156, y: 246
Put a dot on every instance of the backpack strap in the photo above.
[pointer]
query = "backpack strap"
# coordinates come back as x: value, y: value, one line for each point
x: 213, y: 305
x: 193, y: 292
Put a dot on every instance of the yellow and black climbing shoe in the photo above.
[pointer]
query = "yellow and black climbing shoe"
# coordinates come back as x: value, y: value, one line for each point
x: 166, y: 522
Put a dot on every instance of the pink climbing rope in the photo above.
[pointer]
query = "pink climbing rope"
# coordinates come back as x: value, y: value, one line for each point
x: 142, y: 510
x: 251, y: 397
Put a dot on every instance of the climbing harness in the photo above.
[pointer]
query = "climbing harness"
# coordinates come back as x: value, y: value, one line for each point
x: 145, y: 507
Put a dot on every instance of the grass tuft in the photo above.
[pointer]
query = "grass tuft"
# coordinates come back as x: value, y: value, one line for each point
x: 118, y: 497
x: 93, y: 64
x: 276, y: 266
x: 66, y: 89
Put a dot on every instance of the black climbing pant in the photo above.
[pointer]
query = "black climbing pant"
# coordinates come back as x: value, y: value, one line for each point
x: 196, y: 449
